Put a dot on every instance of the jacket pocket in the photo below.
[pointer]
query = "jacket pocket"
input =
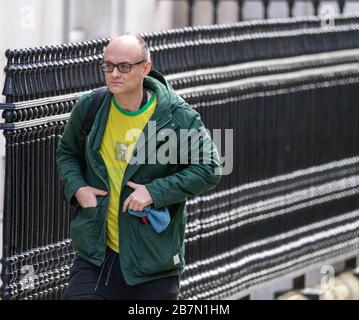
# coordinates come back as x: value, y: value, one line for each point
x: 156, y: 253
x: 85, y: 230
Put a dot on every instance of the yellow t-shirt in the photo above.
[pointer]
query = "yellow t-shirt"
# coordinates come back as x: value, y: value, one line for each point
x: 122, y: 131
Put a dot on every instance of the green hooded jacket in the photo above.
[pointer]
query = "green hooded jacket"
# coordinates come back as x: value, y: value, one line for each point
x: 144, y: 254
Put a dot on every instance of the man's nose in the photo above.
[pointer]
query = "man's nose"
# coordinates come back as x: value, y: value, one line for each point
x: 116, y: 73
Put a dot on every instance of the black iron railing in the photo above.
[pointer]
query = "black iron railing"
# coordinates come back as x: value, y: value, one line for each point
x: 288, y: 88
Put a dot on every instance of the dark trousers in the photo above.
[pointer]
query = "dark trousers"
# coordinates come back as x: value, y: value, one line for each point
x: 89, y: 282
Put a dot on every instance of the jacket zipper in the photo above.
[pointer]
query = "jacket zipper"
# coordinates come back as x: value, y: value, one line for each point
x: 169, y: 120
x: 107, y: 187
x: 122, y: 185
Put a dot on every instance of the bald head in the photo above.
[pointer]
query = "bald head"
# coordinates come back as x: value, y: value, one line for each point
x: 132, y: 43
x: 131, y: 51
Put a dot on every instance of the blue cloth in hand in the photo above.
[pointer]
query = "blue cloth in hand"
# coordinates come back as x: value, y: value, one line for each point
x: 159, y: 219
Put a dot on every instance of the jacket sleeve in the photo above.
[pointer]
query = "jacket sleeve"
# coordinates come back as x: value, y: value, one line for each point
x: 68, y: 151
x: 201, y: 174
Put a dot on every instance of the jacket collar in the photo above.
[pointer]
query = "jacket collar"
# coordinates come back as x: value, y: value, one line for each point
x: 157, y: 83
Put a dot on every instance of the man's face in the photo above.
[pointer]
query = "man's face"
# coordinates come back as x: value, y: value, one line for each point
x: 125, y: 50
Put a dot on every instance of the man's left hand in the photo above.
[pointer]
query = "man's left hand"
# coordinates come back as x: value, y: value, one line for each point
x: 138, y: 199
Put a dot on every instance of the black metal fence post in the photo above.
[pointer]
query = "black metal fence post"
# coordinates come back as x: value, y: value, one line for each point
x: 240, y: 5
x: 316, y: 4
x: 215, y: 4
x: 341, y: 5
x: 291, y: 4
x: 266, y: 4
x: 190, y: 4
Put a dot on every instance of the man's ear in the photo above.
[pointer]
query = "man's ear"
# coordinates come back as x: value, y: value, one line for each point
x: 148, y: 67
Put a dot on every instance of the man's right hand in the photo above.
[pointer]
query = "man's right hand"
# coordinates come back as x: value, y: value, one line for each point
x: 86, y: 196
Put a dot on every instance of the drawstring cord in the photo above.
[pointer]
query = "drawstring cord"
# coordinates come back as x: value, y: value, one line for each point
x: 99, y: 277
x: 109, y: 271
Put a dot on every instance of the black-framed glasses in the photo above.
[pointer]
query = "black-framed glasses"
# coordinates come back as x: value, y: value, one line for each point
x: 123, y: 67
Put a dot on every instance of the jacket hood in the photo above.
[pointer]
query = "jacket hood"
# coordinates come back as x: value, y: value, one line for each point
x: 156, y: 81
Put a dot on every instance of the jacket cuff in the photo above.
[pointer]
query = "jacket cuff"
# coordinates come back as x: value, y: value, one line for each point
x: 71, y: 190
x: 156, y: 198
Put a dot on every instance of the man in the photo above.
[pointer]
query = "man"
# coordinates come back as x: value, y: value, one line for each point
x: 120, y: 255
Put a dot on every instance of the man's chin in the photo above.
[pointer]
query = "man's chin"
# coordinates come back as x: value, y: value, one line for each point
x: 116, y: 90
